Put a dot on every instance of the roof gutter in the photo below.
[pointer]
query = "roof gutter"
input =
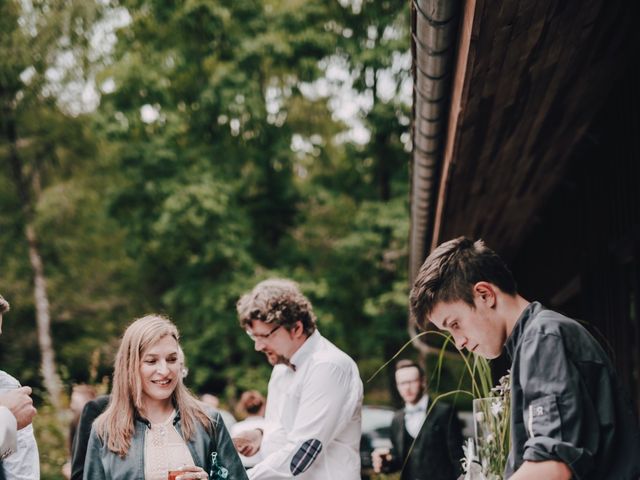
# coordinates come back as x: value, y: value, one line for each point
x: 458, y: 96
x: 433, y: 45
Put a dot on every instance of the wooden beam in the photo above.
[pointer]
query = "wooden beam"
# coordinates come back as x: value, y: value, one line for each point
x: 459, y: 95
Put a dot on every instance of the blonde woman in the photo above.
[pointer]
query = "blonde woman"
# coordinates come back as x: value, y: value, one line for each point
x: 153, y: 424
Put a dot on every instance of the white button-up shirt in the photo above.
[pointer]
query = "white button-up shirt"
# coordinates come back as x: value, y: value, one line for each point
x: 312, y: 421
x: 415, y: 415
x: 8, y: 429
x: 24, y: 462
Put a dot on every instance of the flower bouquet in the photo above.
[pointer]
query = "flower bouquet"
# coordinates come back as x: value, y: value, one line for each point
x: 486, y: 455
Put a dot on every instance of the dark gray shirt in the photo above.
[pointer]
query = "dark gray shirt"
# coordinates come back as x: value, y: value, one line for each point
x: 566, y: 402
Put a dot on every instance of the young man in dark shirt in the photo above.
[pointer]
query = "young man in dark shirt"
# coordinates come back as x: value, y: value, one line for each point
x: 569, y: 418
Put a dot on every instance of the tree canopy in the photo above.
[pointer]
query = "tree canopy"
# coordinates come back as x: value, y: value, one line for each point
x: 212, y: 153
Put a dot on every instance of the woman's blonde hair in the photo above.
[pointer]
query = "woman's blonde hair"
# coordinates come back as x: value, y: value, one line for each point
x: 116, y: 425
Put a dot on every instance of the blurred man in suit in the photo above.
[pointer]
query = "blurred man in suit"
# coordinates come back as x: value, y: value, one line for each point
x: 426, y: 438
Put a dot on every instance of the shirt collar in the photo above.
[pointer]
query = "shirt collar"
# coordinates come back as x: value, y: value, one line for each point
x: 138, y: 416
x: 305, y: 350
x: 516, y: 334
x: 421, y: 406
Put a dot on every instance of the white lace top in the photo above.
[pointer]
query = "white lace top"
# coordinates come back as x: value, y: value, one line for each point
x: 164, y: 450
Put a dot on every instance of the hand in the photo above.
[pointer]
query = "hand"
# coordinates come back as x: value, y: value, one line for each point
x: 380, y: 457
x: 191, y: 472
x: 66, y: 470
x: 19, y: 402
x: 548, y: 469
x: 248, y: 443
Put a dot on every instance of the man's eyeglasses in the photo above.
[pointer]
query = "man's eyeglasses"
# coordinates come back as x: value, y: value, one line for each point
x: 261, y: 336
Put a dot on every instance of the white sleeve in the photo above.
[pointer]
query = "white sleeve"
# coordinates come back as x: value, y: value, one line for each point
x: 8, y: 431
x: 321, y: 413
x: 24, y: 463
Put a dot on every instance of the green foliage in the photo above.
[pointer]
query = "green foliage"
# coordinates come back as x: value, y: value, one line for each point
x: 51, y: 434
x: 185, y: 186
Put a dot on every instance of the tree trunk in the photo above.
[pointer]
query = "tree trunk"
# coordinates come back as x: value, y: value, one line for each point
x: 51, y: 379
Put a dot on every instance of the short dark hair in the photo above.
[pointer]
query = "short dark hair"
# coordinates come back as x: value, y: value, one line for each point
x: 4, y: 305
x: 406, y: 363
x: 278, y: 301
x: 450, y: 272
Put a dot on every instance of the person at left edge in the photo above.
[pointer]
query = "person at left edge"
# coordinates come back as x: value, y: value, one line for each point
x: 22, y: 460
x: 153, y: 423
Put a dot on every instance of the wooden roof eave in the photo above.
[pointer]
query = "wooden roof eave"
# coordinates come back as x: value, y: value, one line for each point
x: 433, y: 45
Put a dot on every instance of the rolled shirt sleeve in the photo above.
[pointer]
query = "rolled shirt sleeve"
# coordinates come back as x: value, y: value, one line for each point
x: 559, y: 415
x: 327, y: 402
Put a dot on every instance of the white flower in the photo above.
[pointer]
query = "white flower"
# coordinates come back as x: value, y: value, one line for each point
x: 470, y: 466
x: 485, y: 460
x: 469, y: 449
x: 474, y: 473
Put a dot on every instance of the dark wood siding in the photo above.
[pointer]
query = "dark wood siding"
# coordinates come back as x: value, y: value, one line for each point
x: 582, y: 253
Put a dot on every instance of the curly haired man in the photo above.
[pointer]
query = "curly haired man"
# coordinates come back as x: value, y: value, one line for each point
x: 312, y: 421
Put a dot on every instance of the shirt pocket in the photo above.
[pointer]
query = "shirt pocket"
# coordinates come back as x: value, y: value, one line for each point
x: 542, y: 418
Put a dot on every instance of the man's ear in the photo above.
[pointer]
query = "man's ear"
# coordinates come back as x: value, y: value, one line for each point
x: 298, y: 330
x: 485, y: 293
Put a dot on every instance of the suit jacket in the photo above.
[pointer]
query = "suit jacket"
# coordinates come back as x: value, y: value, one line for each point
x: 91, y: 411
x: 437, y: 449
